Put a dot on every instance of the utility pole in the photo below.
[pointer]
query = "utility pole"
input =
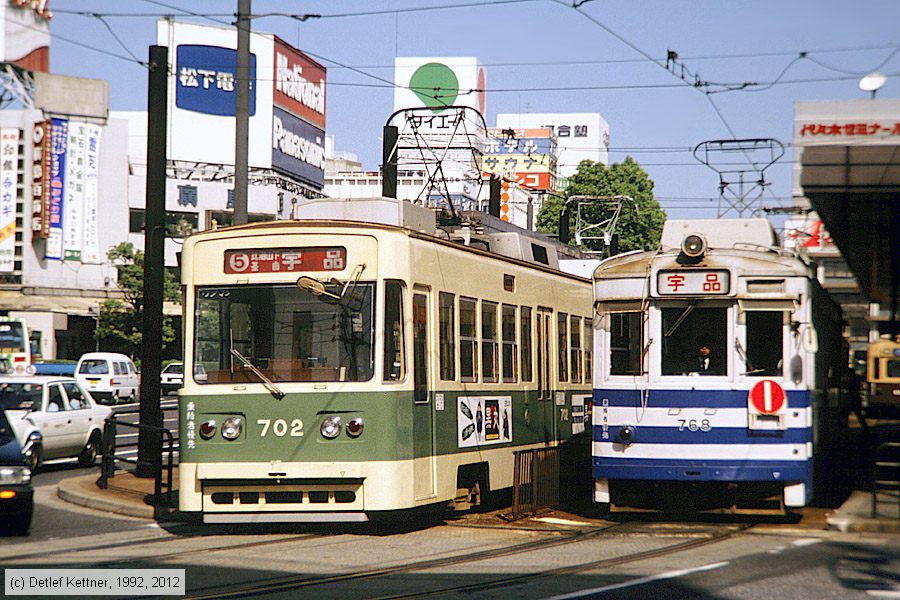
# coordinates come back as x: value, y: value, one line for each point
x: 149, y: 461
x: 242, y: 113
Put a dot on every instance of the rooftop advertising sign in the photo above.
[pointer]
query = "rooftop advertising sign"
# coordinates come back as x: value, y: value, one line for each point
x: 299, y: 84
x: 205, y: 80
x: 436, y: 83
x: 298, y: 148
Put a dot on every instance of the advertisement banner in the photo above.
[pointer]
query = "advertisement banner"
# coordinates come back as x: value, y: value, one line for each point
x: 483, y: 421
x: 518, y: 163
x: 73, y: 217
x: 40, y: 180
x: 59, y: 131
x: 298, y: 148
x: 90, y: 247
x: 9, y: 172
x: 299, y: 84
x: 205, y: 80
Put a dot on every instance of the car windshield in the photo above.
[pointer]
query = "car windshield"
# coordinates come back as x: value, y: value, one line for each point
x: 176, y: 368
x: 94, y: 366
x: 20, y: 395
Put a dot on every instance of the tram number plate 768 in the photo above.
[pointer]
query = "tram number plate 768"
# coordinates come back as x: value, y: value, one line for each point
x: 280, y: 427
x: 694, y: 424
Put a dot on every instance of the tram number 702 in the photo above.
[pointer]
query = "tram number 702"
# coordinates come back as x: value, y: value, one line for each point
x: 280, y: 427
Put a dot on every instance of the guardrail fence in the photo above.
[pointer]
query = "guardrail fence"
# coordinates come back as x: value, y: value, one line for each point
x: 535, y: 481
x: 886, y: 477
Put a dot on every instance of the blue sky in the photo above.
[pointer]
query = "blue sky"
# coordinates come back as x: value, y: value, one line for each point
x: 604, y: 56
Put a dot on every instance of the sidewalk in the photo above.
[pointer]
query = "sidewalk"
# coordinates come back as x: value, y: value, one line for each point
x: 132, y: 496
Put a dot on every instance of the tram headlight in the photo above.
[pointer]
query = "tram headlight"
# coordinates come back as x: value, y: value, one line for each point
x: 208, y: 429
x: 694, y: 245
x: 231, y: 428
x: 355, y: 427
x: 626, y: 435
x: 331, y: 427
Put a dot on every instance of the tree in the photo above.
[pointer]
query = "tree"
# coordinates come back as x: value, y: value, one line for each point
x: 638, y: 228
x: 121, y: 321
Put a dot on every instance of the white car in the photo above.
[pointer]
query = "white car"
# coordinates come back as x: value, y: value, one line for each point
x: 172, y: 377
x: 108, y: 376
x: 53, y: 417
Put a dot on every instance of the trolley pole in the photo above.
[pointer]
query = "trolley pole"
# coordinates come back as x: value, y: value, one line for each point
x: 149, y: 441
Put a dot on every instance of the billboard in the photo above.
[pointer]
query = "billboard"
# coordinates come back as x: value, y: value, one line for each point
x: 25, y: 34
x: 526, y: 156
x: 59, y: 131
x: 202, y: 97
x: 9, y: 173
x: 299, y: 84
x: 73, y: 192
x: 580, y: 136
x: 435, y: 83
x: 40, y: 180
x: 298, y: 148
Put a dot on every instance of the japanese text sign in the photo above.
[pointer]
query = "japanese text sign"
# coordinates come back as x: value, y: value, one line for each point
x: 715, y: 282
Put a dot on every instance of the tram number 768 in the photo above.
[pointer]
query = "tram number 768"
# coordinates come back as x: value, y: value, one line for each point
x: 280, y: 427
x: 694, y: 425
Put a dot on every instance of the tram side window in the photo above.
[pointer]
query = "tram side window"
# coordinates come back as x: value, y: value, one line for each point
x: 625, y: 343
x: 765, y: 336
x: 510, y: 348
x: 562, y: 337
x: 489, y: 341
x: 687, y: 329
x: 588, y: 349
x: 447, y: 335
x: 893, y: 368
x: 394, y: 363
x: 468, y: 342
x: 525, y: 328
x: 575, y: 345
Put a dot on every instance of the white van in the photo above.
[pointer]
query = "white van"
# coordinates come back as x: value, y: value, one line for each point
x: 108, y: 376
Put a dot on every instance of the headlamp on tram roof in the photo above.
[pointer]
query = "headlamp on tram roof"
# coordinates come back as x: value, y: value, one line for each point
x: 693, y: 245
x: 231, y: 428
x: 331, y: 427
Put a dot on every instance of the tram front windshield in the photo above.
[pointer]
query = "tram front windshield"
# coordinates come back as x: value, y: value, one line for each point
x: 687, y: 331
x: 286, y: 333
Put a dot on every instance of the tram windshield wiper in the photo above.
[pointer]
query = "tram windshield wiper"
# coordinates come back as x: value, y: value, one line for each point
x: 267, y: 383
x: 319, y: 288
x: 684, y: 315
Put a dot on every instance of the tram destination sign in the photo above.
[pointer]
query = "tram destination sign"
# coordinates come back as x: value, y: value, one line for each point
x: 693, y: 282
x: 285, y: 260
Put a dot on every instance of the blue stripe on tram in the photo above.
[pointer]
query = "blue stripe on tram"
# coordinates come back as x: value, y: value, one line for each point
x: 701, y: 398
x: 717, y: 435
x: 702, y: 470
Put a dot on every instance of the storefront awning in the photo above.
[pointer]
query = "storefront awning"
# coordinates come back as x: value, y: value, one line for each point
x: 69, y: 305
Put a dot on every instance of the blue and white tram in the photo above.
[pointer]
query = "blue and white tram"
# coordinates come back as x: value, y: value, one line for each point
x: 713, y: 363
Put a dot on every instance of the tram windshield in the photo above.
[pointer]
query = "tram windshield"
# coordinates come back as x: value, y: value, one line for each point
x: 695, y: 340
x: 286, y: 333
x: 12, y: 337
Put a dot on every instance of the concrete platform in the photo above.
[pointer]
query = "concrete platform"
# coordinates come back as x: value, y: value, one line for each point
x: 130, y: 495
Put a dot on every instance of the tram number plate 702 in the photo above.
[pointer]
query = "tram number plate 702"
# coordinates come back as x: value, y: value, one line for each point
x: 280, y: 427
x: 694, y: 424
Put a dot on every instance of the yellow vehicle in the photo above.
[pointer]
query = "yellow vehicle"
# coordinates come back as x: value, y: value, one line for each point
x: 883, y: 378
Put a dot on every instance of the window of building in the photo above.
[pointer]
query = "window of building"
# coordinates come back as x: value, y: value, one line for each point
x: 588, y: 350
x: 510, y: 348
x: 525, y: 329
x: 489, y: 356
x: 447, y: 335
x: 468, y: 341
x: 562, y: 337
x: 625, y: 343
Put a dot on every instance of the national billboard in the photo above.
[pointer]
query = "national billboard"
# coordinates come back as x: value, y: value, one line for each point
x: 299, y: 84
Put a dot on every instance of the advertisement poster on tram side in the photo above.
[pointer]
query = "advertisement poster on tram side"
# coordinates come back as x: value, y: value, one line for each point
x: 483, y: 420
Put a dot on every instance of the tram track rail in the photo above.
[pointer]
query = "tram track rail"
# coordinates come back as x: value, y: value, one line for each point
x: 290, y: 584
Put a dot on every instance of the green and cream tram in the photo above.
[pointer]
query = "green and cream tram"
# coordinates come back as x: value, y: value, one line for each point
x: 367, y: 360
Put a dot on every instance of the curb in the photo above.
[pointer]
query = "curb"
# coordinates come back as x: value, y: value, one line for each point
x: 83, y: 491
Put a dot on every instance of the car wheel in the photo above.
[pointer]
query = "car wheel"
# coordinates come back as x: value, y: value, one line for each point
x: 88, y: 456
x: 33, y: 459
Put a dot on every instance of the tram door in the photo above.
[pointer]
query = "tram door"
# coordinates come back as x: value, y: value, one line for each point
x: 423, y: 412
x: 545, y: 371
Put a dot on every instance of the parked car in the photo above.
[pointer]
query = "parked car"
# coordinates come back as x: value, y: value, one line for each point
x: 53, y: 417
x: 16, y: 492
x: 172, y: 377
x: 108, y: 376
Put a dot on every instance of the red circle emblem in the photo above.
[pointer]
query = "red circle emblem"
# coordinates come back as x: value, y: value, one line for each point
x: 767, y: 397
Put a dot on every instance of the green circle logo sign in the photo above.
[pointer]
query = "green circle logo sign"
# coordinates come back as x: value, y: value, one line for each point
x: 435, y: 85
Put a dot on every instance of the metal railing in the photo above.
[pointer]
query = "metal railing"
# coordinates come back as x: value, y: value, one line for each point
x: 886, y: 476
x: 535, y: 481
x: 112, y: 453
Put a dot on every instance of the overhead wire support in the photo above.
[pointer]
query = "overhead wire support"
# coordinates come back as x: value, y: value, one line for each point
x: 737, y: 192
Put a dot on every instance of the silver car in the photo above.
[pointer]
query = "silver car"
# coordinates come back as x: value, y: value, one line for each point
x: 53, y: 417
